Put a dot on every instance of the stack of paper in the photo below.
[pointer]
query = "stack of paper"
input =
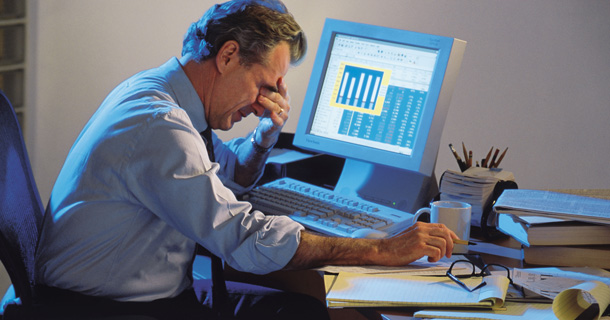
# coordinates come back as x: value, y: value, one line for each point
x: 474, y: 186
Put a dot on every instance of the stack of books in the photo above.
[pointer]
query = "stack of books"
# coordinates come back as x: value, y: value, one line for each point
x: 556, y: 228
x: 474, y: 186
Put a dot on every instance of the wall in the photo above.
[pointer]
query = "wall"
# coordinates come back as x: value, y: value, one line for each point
x: 534, y: 76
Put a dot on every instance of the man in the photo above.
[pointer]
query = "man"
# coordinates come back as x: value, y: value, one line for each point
x: 138, y: 190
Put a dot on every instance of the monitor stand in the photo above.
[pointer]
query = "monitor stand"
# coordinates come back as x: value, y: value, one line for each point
x: 388, y: 186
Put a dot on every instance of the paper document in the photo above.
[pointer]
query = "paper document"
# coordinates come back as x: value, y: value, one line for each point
x: 572, y: 303
x: 395, y: 290
x: 573, y: 293
x: 511, y: 311
x: 573, y: 290
x: 549, y: 282
x: 553, y: 204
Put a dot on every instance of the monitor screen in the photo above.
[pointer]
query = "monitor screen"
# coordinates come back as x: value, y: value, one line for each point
x: 379, y: 95
x: 373, y: 94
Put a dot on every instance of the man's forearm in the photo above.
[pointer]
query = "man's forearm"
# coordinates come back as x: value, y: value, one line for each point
x: 250, y: 163
x: 422, y: 239
x: 315, y: 251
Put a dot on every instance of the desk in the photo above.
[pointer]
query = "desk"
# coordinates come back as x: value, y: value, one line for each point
x: 312, y: 282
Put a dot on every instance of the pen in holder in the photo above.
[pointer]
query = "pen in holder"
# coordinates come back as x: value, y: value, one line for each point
x: 487, y: 162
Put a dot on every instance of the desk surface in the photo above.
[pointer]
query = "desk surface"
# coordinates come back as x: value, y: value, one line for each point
x: 312, y: 282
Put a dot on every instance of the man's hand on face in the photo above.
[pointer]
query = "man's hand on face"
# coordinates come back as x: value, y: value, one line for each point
x: 277, y: 108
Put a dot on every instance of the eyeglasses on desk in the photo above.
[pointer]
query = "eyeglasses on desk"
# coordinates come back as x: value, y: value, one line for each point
x: 469, y: 265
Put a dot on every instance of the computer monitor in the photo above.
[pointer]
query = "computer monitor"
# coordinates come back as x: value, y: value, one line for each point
x: 378, y: 97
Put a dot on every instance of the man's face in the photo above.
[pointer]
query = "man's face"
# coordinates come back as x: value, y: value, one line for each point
x: 236, y: 91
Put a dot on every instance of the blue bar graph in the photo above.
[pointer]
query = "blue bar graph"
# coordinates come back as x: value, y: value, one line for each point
x: 359, y: 87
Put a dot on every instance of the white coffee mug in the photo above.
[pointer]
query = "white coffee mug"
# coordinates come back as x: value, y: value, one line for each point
x: 453, y: 214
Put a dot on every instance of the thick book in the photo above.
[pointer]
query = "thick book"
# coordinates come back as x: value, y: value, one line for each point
x: 546, y: 231
x: 568, y: 256
x: 400, y: 290
x: 521, y: 202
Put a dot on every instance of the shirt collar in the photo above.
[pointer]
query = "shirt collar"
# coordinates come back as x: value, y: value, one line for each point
x: 186, y: 95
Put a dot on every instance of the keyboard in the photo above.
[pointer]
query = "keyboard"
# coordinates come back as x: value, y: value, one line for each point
x: 328, y: 212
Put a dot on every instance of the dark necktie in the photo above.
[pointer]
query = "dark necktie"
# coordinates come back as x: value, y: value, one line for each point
x: 209, y: 144
x: 219, y: 287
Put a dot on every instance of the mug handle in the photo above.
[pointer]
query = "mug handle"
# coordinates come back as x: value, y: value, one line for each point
x: 419, y: 212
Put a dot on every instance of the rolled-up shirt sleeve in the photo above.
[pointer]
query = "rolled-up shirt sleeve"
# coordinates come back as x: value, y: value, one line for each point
x: 183, y: 189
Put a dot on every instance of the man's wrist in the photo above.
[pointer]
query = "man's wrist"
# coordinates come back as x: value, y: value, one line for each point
x: 257, y: 147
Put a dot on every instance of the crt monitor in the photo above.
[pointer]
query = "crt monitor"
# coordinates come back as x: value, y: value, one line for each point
x: 378, y: 97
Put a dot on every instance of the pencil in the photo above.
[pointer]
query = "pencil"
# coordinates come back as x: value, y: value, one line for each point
x: 461, y: 163
x: 493, y: 159
x: 459, y: 241
x: 465, y: 152
x: 455, y: 154
x: 486, y: 161
x: 500, y: 159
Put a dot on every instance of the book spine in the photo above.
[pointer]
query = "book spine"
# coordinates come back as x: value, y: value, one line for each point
x: 568, y: 256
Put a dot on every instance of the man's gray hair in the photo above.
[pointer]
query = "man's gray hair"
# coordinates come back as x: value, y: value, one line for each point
x: 256, y: 25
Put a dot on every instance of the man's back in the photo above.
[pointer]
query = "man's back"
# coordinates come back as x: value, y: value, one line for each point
x: 93, y: 238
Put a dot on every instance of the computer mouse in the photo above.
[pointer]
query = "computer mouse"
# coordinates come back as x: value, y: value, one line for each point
x: 369, y: 234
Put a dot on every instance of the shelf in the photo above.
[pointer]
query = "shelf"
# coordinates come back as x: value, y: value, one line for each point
x: 13, y: 24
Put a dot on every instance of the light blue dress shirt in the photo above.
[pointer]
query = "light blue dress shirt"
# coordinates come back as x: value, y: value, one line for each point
x: 137, y: 191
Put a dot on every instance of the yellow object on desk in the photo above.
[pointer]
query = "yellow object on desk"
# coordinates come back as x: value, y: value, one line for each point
x: 399, y: 290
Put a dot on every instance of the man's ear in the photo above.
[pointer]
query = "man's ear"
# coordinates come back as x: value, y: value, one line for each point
x: 227, y: 55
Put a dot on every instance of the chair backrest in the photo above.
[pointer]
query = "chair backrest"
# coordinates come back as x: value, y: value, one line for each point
x: 21, y: 210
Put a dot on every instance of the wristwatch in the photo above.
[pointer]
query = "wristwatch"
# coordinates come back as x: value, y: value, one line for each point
x: 257, y: 147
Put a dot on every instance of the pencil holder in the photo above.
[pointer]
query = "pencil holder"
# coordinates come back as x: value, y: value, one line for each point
x: 480, y: 187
